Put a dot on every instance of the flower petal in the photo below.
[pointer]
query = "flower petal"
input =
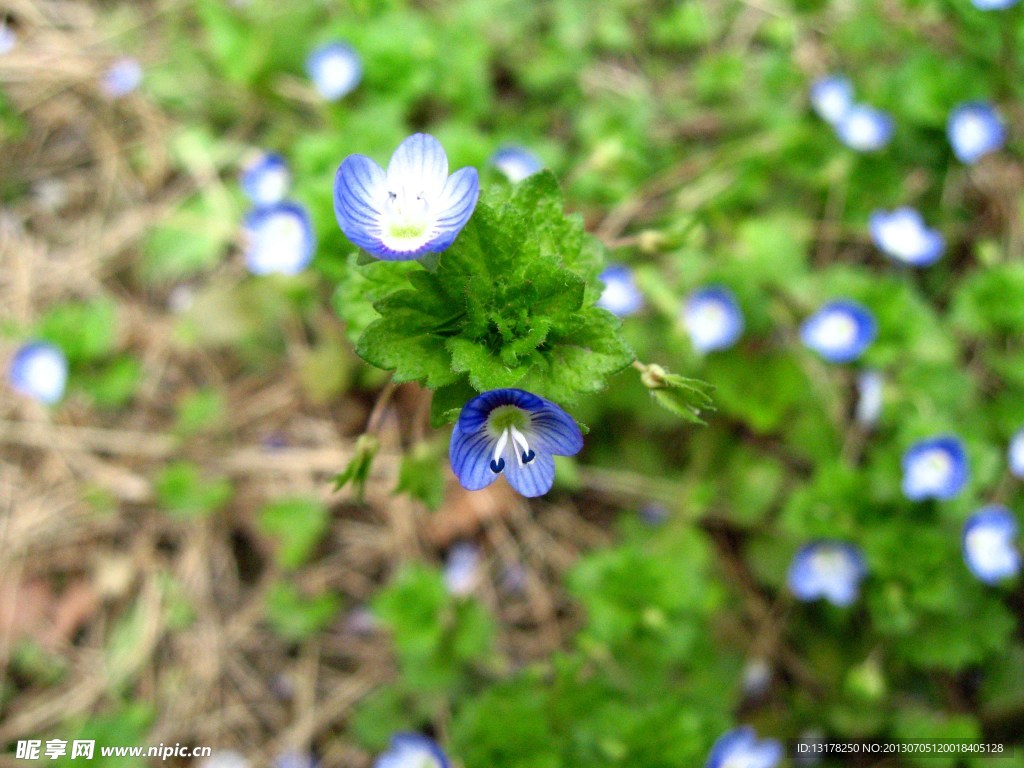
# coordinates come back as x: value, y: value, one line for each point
x: 555, y: 431
x: 533, y: 479
x: 359, y: 191
x: 455, y: 206
x: 470, y: 456
x: 418, y: 167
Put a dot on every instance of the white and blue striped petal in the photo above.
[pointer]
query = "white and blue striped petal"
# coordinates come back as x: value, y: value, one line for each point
x: 411, y: 750
x: 831, y: 570
x: 39, y: 370
x: 620, y: 295
x: 832, y: 97
x: 935, y: 468
x: 712, y: 318
x: 121, y: 78
x: 266, y: 179
x: 740, y: 748
x: 989, y: 544
x: 870, y: 387
x: 903, y: 235
x: 516, y: 163
x: 513, y: 433
x: 412, y: 209
x: 840, y: 331
x: 975, y: 130
x: 278, y: 240
x: 865, y: 128
x: 1015, y: 454
x: 335, y: 70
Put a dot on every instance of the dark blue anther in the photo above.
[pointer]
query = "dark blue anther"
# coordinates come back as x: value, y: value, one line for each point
x: 497, y: 466
x: 529, y: 456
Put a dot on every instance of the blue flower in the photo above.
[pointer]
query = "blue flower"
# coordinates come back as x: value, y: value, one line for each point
x: 411, y: 750
x: 1016, y: 454
x: 827, y: 569
x: 266, y: 179
x: 516, y: 163
x: 412, y: 209
x: 904, y: 236
x: 515, y: 433
x: 993, y: 5
x: 840, y: 331
x: 935, y: 469
x: 462, y: 569
x: 39, y: 370
x: 295, y: 759
x: 865, y: 128
x: 278, y: 240
x: 988, y: 542
x: 740, y: 748
x: 121, y: 78
x: 620, y: 295
x: 975, y: 129
x: 869, y: 398
x: 335, y: 70
x: 832, y: 97
x: 712, y: 318
x: 8, y: 39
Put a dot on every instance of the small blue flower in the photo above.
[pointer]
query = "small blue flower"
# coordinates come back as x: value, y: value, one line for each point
x: 993, y: 5
x: 39, y: 370
x: 832, y: 97
x: 904, y: 236
x: 988, y: 542
x: 278, y: 240
x: 411, y: 750
x: 935, y: 469
x: 335, y: 69
x: 975, y: 129
x: 827, y: 569
x: 620, y: 295
x: 869, y: 398
x: 121, y: 78
x: 266, y: 179
x: 515, y: 433
x: 412, y: 209
x: 740, y: 748
x: 516, y: 163
x: 8, y: 39
x: 462, y: 569
x: 840, y: 331
x: 865, y: 128
x: 1016, y: 454
x: 712, y: 318
x: 295, y: 759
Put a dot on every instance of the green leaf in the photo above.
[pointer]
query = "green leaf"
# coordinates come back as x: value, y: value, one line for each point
x: 295, y: 616
x: 182, y: 490
x: 420, y: 474
x: 358, y: 470
x: 298, y: 525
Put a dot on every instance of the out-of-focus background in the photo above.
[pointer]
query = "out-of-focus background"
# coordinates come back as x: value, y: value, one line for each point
x: 176, y: 565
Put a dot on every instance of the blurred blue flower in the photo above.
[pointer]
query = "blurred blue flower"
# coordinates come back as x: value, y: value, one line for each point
x: 832, y: 97
x: 988, y: 541
x: 516, y: 163
x: 295, y: 759
x: 712, y: 318
x: 870, y: 387
x: 865, y: 128
x: 975, y: 129
x: 412, y: 209
x: 993, y: 5
x: 278, y: 240
x: 1016, y: 454
x: 620, y: 295
x: 335, y: 69
x: 903, y: 235
x: 840, y: 331
x: 462, y: 569
x: 935, y: 468
x: 827, y: 569
x: 8, y: 39
x: 740, y: 748
x: 225, y: 758
x: 411, y: 750
x: 121, y: 78
x: 39, y: 370
x: 515, y: 433
x: 266, y: 179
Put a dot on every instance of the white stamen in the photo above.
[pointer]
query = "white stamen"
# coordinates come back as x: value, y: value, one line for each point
x: 500, y: 447
x: 519, y: 439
